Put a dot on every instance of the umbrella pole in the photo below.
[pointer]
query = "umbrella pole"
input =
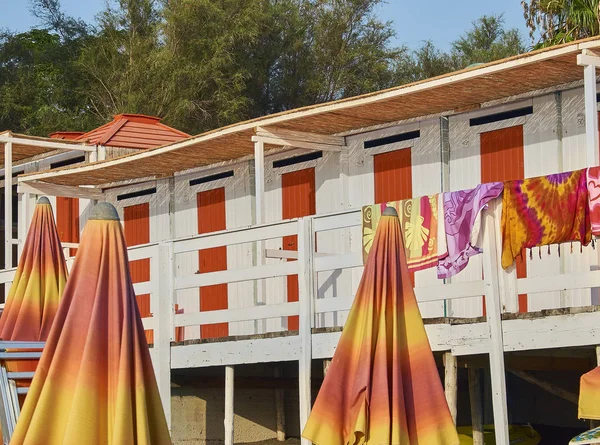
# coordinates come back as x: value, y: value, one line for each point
x: 229, y: 375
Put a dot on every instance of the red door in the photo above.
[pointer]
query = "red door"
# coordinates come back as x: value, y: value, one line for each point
x: 393, y: 179
x: 502, y: 160
x: 211, y: 218
x: 67, y: 221
x: 137, y: 231
x: 298, y: 200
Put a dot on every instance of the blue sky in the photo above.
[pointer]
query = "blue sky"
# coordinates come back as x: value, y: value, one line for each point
x: 441, y: 21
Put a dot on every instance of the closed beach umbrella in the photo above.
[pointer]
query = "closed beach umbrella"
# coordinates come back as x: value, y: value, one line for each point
x: 95, y: 383
x: 39, y: 281
x: 383, y: 387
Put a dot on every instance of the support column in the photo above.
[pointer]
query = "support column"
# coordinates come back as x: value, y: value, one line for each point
x: 229, y: 377
x: 305, y: 287
x: 451, y: 383
x: 476, y: 405
x: 8, y: 211
x: 591, y: 115
x: 259, y: 218
x: 163, y: 327
x: 494, y: 323
x: 280, y: 406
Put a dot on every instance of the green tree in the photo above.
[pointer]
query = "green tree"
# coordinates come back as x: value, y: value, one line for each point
x: 486, y: 41
x: 561, y: 21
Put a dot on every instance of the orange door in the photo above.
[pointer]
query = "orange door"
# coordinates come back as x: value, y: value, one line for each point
x: 393, y: 176
x: 393, y: 179
x: 212, y: 218
x: 67, y: 221
x: 298, y: 200
x: 137, y: 231
x: 502, y: 160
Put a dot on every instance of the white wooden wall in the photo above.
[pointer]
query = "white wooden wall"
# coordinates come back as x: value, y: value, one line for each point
x: 329, y: 198
x: 426, y: 180
x: 238, y: 209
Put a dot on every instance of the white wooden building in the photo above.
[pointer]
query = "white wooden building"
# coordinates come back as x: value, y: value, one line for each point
x: 254, y: 195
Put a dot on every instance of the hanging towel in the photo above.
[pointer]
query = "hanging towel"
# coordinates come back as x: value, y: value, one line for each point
x: 545, y: 210
x: 419, y: 224
x: 593, y: 185
x: 462, y: 223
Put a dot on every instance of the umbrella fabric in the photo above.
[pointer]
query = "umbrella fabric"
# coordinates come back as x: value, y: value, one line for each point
x: 589, y: 395
x: 383, y: 387
x: 95, y: 383
x: 39, y: 281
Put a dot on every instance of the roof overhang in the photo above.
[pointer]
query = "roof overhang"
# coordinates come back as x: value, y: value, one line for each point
x: 448, y: 94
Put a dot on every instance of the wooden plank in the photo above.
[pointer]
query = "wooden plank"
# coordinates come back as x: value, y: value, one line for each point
x: 268, y: 350
x: 451, y: 383
x: 335, y: 262
x: 342, y: 220
x: 296, y: 144
x: 236, y: 275
x: 142, y: 251
x: 47, y: 144
x: 279, y: 407
x: 591, y: 114
x: 42, y: 188
x: 237, y: 314
x: 8, y: 211
x: 235, y: 236
x: 559, y: 282
x: 476, y: 406
x: 147, y: 287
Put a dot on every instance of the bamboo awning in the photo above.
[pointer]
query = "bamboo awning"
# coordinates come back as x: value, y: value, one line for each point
x: 450, y: 93
x: 25, y: 147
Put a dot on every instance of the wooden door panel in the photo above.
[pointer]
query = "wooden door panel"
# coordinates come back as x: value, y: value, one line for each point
x: 212, y: 218
x: 502, y: 159
x: 67, y: 221
x: 393, y: 179
x: 298, y: 200
x: 137, y: 231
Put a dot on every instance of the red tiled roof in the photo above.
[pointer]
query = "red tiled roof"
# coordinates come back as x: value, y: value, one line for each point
x: 69, y: 135
x: 134, y: 131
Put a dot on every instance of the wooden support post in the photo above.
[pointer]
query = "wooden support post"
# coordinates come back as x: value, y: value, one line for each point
x: 305, y: 294
x: 280, y: 407
x: 326, y: 365
x: 259, y: 218
x: 229, y: 377
x: 494, y: 322
x: 596, y: 423
x: 8, y: 246
x: 451, y: 383
x: 476, y: 405
x: 591, y: 115
x: 162, y: 271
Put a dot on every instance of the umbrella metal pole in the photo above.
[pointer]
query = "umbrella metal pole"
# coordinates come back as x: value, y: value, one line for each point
x: 229, y: 394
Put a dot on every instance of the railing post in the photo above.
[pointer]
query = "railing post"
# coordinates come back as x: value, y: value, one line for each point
x: 8, y: 211
x: 494, y: 323
x: 305, y: 287
x: 163, y: 325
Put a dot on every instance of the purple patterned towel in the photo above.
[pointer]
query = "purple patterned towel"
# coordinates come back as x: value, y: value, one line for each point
x: 460, y: 220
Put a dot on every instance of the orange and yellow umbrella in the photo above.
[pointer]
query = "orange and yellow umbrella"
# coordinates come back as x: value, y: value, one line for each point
x: 383, y: 387
x: 39, y: 281
x: 95, y: 383
x: 589, y: 395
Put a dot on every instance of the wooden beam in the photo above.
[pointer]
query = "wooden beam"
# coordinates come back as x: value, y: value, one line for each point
x: 451, y: 383
x: 530, y: 363
x: 550, y: 387
x: 8, y: 212
x: 45, y: 144
x: 476, y: 405
x: 296, y: 144
x: 229, y: 414
x: 281, y: 133
x: 40, y: 188
x: 280, y: 408
x: 591, y: 110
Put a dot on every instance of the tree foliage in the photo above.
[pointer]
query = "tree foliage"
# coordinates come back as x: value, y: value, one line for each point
x: 561, y: 21
x: 201, y: 64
